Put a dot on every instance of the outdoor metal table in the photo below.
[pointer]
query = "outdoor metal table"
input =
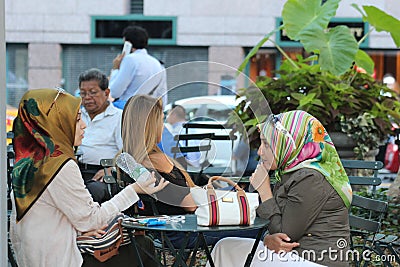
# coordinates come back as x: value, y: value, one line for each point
x: 188, y: 226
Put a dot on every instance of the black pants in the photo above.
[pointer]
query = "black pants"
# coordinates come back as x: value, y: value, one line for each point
x: 99, y: 190
x: 88, y: 170
x: 126, y: 256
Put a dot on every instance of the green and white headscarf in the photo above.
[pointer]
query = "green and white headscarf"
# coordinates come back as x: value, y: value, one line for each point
x: 298, y: 140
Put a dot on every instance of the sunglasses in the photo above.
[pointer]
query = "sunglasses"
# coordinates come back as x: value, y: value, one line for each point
x: 59, y: 91
x: 89, y: 94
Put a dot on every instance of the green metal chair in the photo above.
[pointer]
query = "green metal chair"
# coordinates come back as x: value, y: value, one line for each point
x: 370, y: 180
x: 10, y: 165
x: 365, y: 223
x: 367, y: 215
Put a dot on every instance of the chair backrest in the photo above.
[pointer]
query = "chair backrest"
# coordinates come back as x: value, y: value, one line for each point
x: 369, y: 215
x: 203, y: 141
x: 109, y: 179
x: 219, y: 137
x: 365, y: 219
x: 213, y: 170
x: 191, y: 125
x: 106, y: 164
x: 373, y: 166
x: 179, y: 148
x: 10, y: 166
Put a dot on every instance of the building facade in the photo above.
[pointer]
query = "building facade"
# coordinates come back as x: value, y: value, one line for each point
x: 49, y: 42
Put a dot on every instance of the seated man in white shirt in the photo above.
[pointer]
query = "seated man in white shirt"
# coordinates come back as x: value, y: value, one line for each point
x: 103, y: 132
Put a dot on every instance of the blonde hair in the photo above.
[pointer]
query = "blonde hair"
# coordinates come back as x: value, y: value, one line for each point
x: 141, y: 126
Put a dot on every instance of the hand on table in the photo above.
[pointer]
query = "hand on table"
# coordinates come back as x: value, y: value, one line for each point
x: 279, y: 242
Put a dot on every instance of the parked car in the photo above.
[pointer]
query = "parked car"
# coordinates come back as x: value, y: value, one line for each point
x: 207, y: 108
x: 211, y: 110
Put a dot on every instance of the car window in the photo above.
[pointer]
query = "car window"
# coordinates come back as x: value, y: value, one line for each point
x: 208, y: 112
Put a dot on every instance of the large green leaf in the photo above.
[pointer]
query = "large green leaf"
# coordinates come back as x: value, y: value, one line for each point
x: 359, y: 10
x: 255, y: 50
x: 251, y: 122
x: 306, y: 99
x: 383, y: 22
x: 364, y: 61
x: 307, y: 15
x: 336, y: 48
x: 318, y: 102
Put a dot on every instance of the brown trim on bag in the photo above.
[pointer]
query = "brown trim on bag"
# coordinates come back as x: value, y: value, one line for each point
x: 244, y: 208
x: 213, y: 207
x: 105, y: 254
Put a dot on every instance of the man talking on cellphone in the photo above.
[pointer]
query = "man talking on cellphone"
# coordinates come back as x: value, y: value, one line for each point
x: 137, y: 72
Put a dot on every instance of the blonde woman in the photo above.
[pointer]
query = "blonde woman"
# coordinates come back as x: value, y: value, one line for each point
x: 142, y: 126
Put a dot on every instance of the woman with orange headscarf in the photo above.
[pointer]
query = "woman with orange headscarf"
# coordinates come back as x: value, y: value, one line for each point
x: 308, y: 206
x: 51, y: 204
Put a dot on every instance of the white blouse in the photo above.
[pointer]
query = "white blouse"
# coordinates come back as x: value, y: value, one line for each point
x: 46, y: 235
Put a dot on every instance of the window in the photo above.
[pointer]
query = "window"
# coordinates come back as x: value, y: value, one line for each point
x: 136, y: 6
x: 78, y: 58
x: 17, y: 72
x: 108, y: 29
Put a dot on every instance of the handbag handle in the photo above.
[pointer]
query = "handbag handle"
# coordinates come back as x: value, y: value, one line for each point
x: 214, y: 178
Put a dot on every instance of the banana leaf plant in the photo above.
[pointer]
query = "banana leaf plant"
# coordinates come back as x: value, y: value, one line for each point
x: 326, y: 84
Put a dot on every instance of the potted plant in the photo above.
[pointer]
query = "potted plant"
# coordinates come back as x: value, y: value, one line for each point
x: 327, y: 84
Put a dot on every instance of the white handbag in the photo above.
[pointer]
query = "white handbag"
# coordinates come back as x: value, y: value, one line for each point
x: 223, y: 207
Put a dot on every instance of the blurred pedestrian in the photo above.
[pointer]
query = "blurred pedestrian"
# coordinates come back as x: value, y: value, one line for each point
x: 176, y: 117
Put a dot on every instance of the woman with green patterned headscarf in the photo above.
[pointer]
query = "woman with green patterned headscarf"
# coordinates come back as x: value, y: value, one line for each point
x: 51, y: 204
x: 308, y: 206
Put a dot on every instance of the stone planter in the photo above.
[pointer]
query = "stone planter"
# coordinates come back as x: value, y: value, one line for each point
x: 345, y: 146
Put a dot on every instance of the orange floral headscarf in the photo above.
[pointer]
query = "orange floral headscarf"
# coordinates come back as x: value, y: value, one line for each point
x: 44, y: 134
x: 298, y: 140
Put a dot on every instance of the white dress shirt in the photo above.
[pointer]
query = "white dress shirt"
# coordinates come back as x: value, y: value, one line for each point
x: 139, y: 73
x: 102, y: 136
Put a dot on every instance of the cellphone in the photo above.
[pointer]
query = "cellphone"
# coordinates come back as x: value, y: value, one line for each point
x: 127, y: 48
